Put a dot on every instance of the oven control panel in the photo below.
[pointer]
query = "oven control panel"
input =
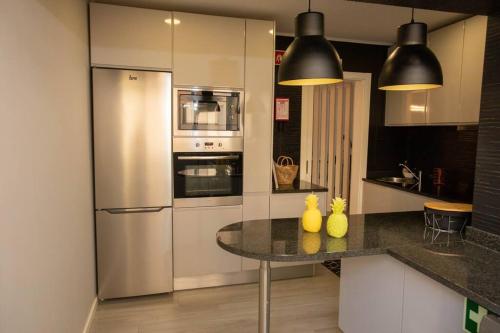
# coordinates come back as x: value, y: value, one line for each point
x: 207, y: 144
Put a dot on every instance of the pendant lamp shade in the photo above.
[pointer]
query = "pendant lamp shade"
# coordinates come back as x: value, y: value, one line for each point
x: 310, y: 59
x: 412, y: 65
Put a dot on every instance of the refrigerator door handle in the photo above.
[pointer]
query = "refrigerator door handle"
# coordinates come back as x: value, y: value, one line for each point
x: 133, y: 210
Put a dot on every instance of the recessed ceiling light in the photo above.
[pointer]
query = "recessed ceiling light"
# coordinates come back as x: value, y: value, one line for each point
x: 169, y: 21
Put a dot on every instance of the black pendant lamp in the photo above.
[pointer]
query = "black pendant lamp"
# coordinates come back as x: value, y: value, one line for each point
x: 412, y: 65
x: 310, y: 59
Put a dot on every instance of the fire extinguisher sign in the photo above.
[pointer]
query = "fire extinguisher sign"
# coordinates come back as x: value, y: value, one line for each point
x: 278, y: 55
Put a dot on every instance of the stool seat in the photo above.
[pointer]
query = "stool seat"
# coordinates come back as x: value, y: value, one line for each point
x: 449, y: 206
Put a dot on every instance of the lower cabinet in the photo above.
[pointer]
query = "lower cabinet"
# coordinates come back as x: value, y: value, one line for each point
x: 196, y: 253
x: 381, y: 294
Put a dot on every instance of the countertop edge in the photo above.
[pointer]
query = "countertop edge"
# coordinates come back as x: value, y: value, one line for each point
x: 339, y: 255
x: 438, y: 278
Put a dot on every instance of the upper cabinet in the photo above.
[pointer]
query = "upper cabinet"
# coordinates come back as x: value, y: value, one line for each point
x: 408, y: 108
x: 209, y: 50
x: 472, y: 68
x: 460, y: 50
x: 259, y: 70
x: 448, y: 45
x: 130, y: 37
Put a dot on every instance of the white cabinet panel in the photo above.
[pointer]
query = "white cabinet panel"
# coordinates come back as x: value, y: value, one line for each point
x: 472, y: 68
x: 371, y: 295
x: 131, y: 37
x: 405, y: 108
x: 258, y: 111
x: 293, y: 204
x: 196, y: 252
x: 383, y: 199
x: 429, y: 306
x: 444, y: 103
x: 209, y: 50
x: 255, y: 207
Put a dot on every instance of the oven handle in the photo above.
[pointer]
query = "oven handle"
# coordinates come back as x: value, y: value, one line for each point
x: 196, y: 158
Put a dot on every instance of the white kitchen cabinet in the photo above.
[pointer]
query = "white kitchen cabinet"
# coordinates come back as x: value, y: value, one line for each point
x: 444, y: 103
x: 405, y: 108
x: 259, y: 71
x: 383, y: 199
x: 209, y: 50
x: 289, y: 205
x: 371, y: 295
x: 130, y: 37
x: 430, y: 307
x: 196, y: 252
x: 381, y: 294
x: 255, y: 207
x: 459, y: 48
x: 472, y: 68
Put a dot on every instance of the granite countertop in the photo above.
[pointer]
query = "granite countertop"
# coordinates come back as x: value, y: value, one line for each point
x: 463, y: 266
x: 428, y: 190
x: 300, y: 187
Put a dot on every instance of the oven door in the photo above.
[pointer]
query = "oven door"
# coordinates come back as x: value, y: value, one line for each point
x: 208, y: 179
x: 207, y: 112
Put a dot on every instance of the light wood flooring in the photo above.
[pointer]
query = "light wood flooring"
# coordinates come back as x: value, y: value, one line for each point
x: 307, y: 305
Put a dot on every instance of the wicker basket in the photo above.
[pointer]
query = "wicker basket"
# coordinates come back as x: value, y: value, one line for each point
x: 286, y: 171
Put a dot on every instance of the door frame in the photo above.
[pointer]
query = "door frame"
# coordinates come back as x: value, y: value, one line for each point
x: 361, y: 121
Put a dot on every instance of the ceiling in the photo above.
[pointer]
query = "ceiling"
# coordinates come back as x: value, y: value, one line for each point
x: 344, y: 20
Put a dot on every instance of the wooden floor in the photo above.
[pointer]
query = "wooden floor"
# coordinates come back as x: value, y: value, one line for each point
x: 298, y: 305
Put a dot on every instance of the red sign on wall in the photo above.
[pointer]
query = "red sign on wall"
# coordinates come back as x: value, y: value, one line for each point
x: 278, y: 54
x: 281, y: 111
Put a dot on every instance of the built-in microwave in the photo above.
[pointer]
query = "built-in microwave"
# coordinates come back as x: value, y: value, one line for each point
x: 207, y: 112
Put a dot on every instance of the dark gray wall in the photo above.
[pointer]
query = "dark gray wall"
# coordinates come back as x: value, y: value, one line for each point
x: 486, y: 214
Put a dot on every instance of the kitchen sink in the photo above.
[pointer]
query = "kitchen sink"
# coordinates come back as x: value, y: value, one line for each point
x: 397, y: 180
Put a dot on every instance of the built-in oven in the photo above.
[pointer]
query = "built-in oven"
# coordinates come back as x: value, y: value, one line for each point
x: 207, y: 112
x: 207, y: 172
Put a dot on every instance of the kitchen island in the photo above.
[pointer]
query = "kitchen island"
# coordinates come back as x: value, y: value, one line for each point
x: 463, y: 267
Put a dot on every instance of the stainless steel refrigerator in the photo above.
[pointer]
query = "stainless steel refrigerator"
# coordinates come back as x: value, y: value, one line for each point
x: 133, y: 187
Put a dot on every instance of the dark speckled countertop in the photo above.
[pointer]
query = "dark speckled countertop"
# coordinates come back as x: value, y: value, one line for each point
x: 467, y: 268
x: 300, y: 187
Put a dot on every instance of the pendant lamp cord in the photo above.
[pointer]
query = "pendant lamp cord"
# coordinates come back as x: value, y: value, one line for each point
x: 412, y: 15
x: 309, y: 8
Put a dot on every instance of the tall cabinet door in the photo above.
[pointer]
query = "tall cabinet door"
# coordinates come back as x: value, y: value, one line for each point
x: 130, y: 37
x: 444, y: 103
x: 259, y: 72
x: 209, y: 50
x: 196, y: 252
x: 472, y: 68
x: 132, y: 143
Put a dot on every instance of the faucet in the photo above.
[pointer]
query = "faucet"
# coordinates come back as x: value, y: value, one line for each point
x: 418, y: 178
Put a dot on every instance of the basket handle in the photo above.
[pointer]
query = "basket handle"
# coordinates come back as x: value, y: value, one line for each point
x: 284, y: 160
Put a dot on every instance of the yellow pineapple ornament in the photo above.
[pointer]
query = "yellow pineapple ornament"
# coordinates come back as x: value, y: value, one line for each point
x: 336, y: 226
x: 311, y: 219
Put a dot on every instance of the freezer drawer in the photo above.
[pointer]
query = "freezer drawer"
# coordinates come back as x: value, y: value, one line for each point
x: 132, y: 138
x: 134, y: 253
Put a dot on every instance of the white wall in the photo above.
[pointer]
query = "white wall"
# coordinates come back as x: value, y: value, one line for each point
x: 47, y: 269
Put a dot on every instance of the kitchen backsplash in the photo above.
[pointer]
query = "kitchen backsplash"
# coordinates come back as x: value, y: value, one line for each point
x: 451, y: 148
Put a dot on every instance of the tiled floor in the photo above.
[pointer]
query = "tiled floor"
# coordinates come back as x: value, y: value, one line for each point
x: 298, y: 305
